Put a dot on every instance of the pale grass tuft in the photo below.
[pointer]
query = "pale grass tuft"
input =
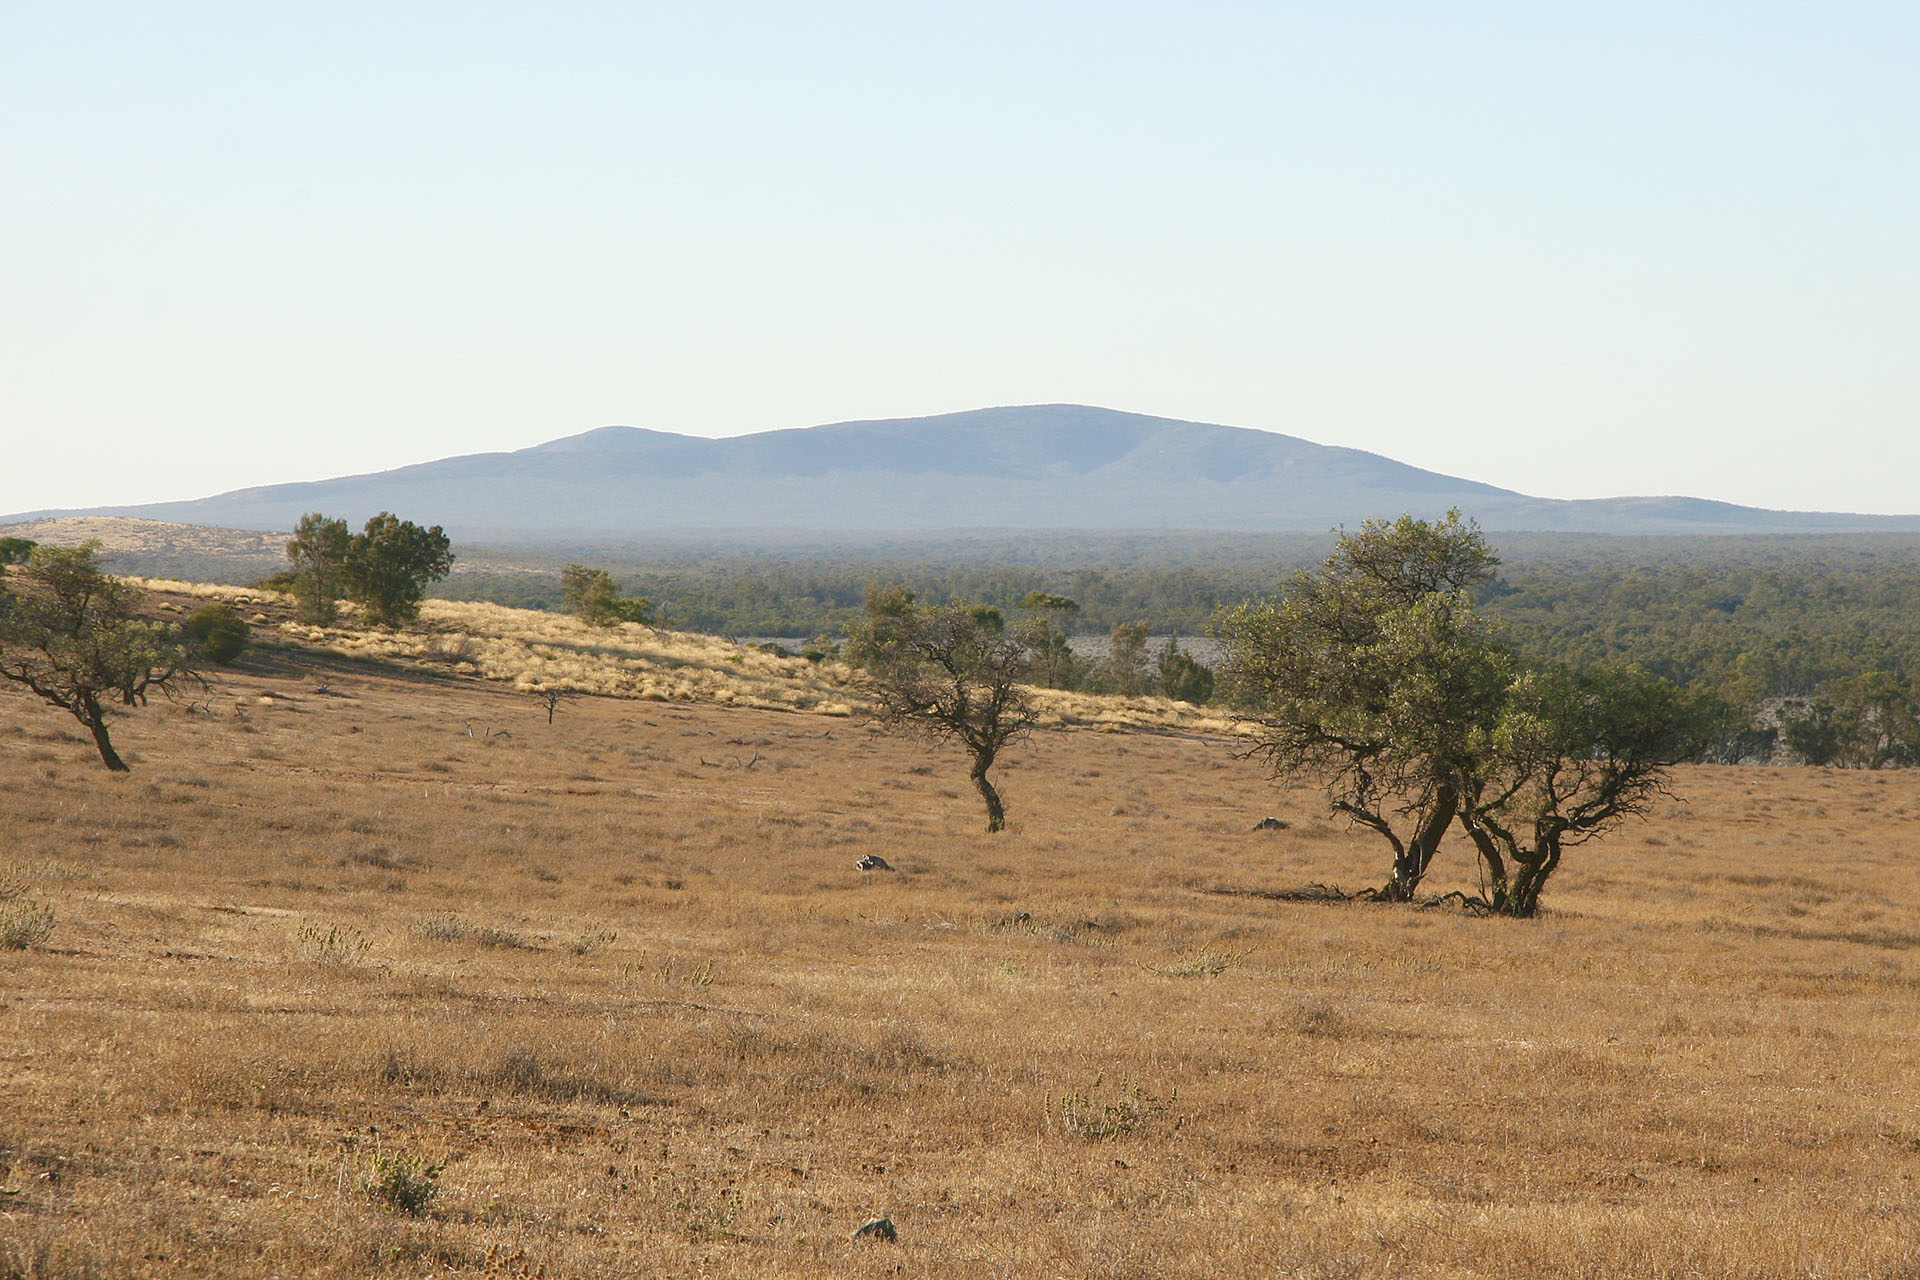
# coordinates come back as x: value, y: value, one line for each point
x: 333, y: 944
x: 24, y: 925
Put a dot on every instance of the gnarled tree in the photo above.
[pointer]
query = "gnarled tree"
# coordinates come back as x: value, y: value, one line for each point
x: 1373, y: 675
x: 950, y: 673
x: 69, y: 635
x: 1571, y: 755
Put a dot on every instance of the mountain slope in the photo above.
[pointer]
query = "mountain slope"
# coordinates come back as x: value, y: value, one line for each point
x: 1034, y: 466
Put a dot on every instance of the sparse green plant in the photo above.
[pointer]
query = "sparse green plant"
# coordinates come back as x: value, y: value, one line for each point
x: 1128, y: 1110
x: 406, y: 1183
x: 591, y: 940
x: 24, y: 925
x: 443, y: 929
x: 333, y: 944
x: 700, y: 976
x: 1201, y: 963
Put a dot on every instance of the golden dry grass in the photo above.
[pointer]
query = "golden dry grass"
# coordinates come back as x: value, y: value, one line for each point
x: 619, y: 975
x: 530, y: 649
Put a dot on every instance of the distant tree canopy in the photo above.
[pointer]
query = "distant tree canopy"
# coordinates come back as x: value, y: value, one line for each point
x: 14, y: 551
x: 385, y: 568
x: 592, y: 596
x: 70, y: 636
x: 1375, y: 676
x: 1770, y: 624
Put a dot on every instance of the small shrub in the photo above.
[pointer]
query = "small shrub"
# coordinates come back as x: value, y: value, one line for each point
x: 591, y: 940
x: 335, y: 944
x: 24, y: 925
x: 443, y: 929
x: 1130, y: 1110
x: 406, y: 1183
x: 1320, y: 1019
x: 449, y: 928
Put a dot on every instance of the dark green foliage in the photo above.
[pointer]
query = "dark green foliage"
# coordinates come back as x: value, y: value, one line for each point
x: 1124, y: 669
x: 1055, y: 664
x: 592, y: 596
x: 1178, y: 676
x: 1374, y: 675
x: 69, y: 635
x: 318, y: 553
x: 1571, y: 755
x: 1868, y: 721
x: 219, y: 632
x: 14, y: 551
x: 949, y: 672
x: 385, y: 568
x: 389, y: 565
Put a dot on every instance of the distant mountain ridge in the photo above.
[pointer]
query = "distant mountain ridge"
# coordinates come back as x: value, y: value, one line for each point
x: 1031, y: 466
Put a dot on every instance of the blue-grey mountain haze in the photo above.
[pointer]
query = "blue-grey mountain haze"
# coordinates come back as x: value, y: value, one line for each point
x: 1032, y: 466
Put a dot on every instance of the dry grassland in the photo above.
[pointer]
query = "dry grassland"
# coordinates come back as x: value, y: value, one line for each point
x: 619, y: 977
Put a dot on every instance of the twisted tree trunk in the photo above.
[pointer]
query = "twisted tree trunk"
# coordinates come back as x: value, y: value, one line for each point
x: 996, y: 812
x: 92, y: 715
x: 1411, y: 860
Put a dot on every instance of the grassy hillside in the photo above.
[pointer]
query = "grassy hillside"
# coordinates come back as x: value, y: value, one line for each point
x: 355, y: 916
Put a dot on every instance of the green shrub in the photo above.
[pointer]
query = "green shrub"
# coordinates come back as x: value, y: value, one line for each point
x: 220, y: 632
x: 1095, y: 1116
x: 406, y: 1183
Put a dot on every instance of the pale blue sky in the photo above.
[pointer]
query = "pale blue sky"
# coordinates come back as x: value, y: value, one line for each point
x: 1577, y: 250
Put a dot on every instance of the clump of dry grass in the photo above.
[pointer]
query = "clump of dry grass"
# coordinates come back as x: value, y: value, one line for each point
x: 24, y: 925
x: 331, y: 944
x: 535, y: 652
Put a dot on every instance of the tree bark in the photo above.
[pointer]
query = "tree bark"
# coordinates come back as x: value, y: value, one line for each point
x: 95, y: 719
x: 996, y: 813
x: 1410, y: 864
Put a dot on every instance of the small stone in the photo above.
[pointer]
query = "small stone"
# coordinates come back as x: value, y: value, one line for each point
x: 872, y: 862
x: 878, y: 1229
x: 1269, y: 824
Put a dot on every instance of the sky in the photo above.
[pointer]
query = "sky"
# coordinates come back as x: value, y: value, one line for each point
x: 1577, y: 250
